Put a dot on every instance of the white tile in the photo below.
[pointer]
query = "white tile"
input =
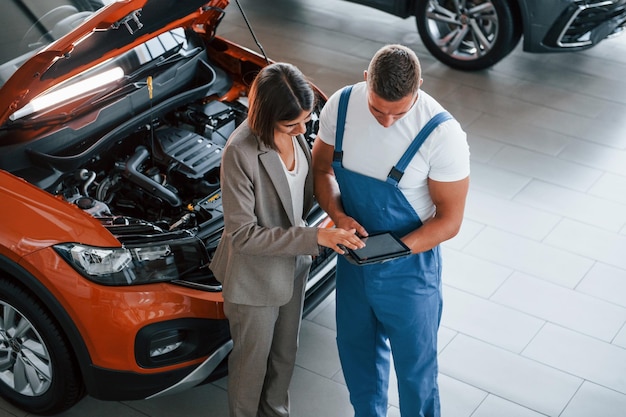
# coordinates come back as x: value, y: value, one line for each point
x: 589, y: 241
x: 464, y: 115
x: 560, y: 99
x: 605, y: 59
x: 192, y: 402
x: 598, y: 156
x: 517, y: 133
x: 611, y: 187
x: 583, y: 356
x: 324, y: 314
x: 493, y: 323
x: 317, y: 350
x: 393, y: 411
x: 393, y: 393
x: 605, y: 282
x: 481, y: 150
x: 528, y: 256
x: 547, y: 168
x: 509, y: 110
x: 471, y: 274
x: 614, y: 111
x: 444, y: 337
x: 620, y: 339
x: 510, y: 216
x: 572, y: 204
x: 313, y: 395
x: 442, y: 88
x: 499, y: 407
x: 574, y: 310
x: 594, y: 400
x: 604, y: 132
x: 469, y: 230
x: 538, y: 387
x: 458, y: 399
x: 491, y: 82
x: 497, y: 181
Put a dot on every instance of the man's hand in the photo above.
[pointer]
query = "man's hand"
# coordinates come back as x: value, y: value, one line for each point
x: 348, y: 223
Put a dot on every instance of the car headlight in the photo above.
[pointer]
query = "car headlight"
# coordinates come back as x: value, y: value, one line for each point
x: 136, y: 263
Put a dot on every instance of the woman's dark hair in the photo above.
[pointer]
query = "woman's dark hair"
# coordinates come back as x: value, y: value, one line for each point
x: 279, y: 92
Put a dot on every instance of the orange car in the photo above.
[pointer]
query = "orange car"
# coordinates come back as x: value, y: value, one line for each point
x: 113, y: 118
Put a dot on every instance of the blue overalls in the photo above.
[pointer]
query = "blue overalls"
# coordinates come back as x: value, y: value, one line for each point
x: 395, y: 303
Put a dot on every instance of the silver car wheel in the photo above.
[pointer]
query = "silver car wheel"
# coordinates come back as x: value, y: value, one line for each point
x: 25, y: 363
x: 468, y: 35
x: 465, y: 30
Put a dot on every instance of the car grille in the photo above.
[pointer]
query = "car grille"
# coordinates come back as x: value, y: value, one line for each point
x: 321, y: 277
x: 323, y: 266
x: 587, y: 24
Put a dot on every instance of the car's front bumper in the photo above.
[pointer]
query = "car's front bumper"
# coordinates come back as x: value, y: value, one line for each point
x: 583, y: 25
x: 566, y: 25
x: 212, y: 368
x: 107, y: 384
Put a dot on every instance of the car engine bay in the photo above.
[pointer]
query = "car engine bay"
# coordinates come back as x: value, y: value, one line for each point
x: 146, y: 166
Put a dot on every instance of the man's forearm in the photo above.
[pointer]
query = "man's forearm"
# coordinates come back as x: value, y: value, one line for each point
x: 328, y: 196
x: 430, y: 234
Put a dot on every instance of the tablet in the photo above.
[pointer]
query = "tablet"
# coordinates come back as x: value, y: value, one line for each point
x: 379, y: 247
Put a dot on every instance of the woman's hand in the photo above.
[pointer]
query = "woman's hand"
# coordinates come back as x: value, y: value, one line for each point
x: 338, y: 239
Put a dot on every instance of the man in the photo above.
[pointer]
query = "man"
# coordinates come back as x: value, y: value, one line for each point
x: 380, y: 165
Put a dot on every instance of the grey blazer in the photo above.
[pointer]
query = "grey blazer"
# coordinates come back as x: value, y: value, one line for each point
x: 255, y: 259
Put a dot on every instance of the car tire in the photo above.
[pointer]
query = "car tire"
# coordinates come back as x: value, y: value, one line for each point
x: 474, y: 38
x: 37, y: 371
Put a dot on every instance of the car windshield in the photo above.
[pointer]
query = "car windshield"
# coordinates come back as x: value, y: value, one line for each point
x: 29, y: 25
x: 34, y: 24
x: 147, y: 57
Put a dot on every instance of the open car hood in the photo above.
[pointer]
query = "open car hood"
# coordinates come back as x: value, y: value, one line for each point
x: 108, y: 32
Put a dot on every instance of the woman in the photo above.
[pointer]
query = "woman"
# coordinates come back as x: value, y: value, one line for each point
x: 264, y: 256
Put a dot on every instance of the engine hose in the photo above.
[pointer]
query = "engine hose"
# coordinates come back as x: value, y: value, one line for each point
x: 131, y: 171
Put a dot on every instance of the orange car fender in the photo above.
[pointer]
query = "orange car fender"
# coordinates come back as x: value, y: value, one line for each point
x: 121, y: 311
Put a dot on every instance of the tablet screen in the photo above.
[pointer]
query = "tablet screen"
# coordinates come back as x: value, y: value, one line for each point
x: 380, y: 247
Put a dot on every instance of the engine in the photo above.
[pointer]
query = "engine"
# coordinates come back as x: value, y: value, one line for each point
x: 162, y: 178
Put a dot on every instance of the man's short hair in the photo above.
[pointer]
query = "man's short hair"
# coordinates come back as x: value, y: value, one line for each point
x: 394, y: 72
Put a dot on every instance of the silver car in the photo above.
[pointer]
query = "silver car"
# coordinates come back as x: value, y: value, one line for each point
x: 476, y: 34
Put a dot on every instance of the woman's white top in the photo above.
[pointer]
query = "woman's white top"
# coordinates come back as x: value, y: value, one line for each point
x: 296, y: 179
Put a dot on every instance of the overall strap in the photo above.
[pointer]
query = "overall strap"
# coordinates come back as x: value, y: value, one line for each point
x: 341, y: 122
x: 396, y: 173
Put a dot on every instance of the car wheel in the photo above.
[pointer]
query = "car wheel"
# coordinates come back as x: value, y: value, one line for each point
x: 469, y: 35
x: 37, y: 370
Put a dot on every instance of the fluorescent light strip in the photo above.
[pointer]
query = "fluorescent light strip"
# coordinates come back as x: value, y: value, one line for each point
x: 67, y: 93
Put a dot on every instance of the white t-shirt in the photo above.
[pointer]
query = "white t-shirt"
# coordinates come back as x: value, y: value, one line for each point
x: 371, y: 149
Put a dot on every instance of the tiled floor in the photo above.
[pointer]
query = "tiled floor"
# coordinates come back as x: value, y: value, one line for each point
x: 535, y: 283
